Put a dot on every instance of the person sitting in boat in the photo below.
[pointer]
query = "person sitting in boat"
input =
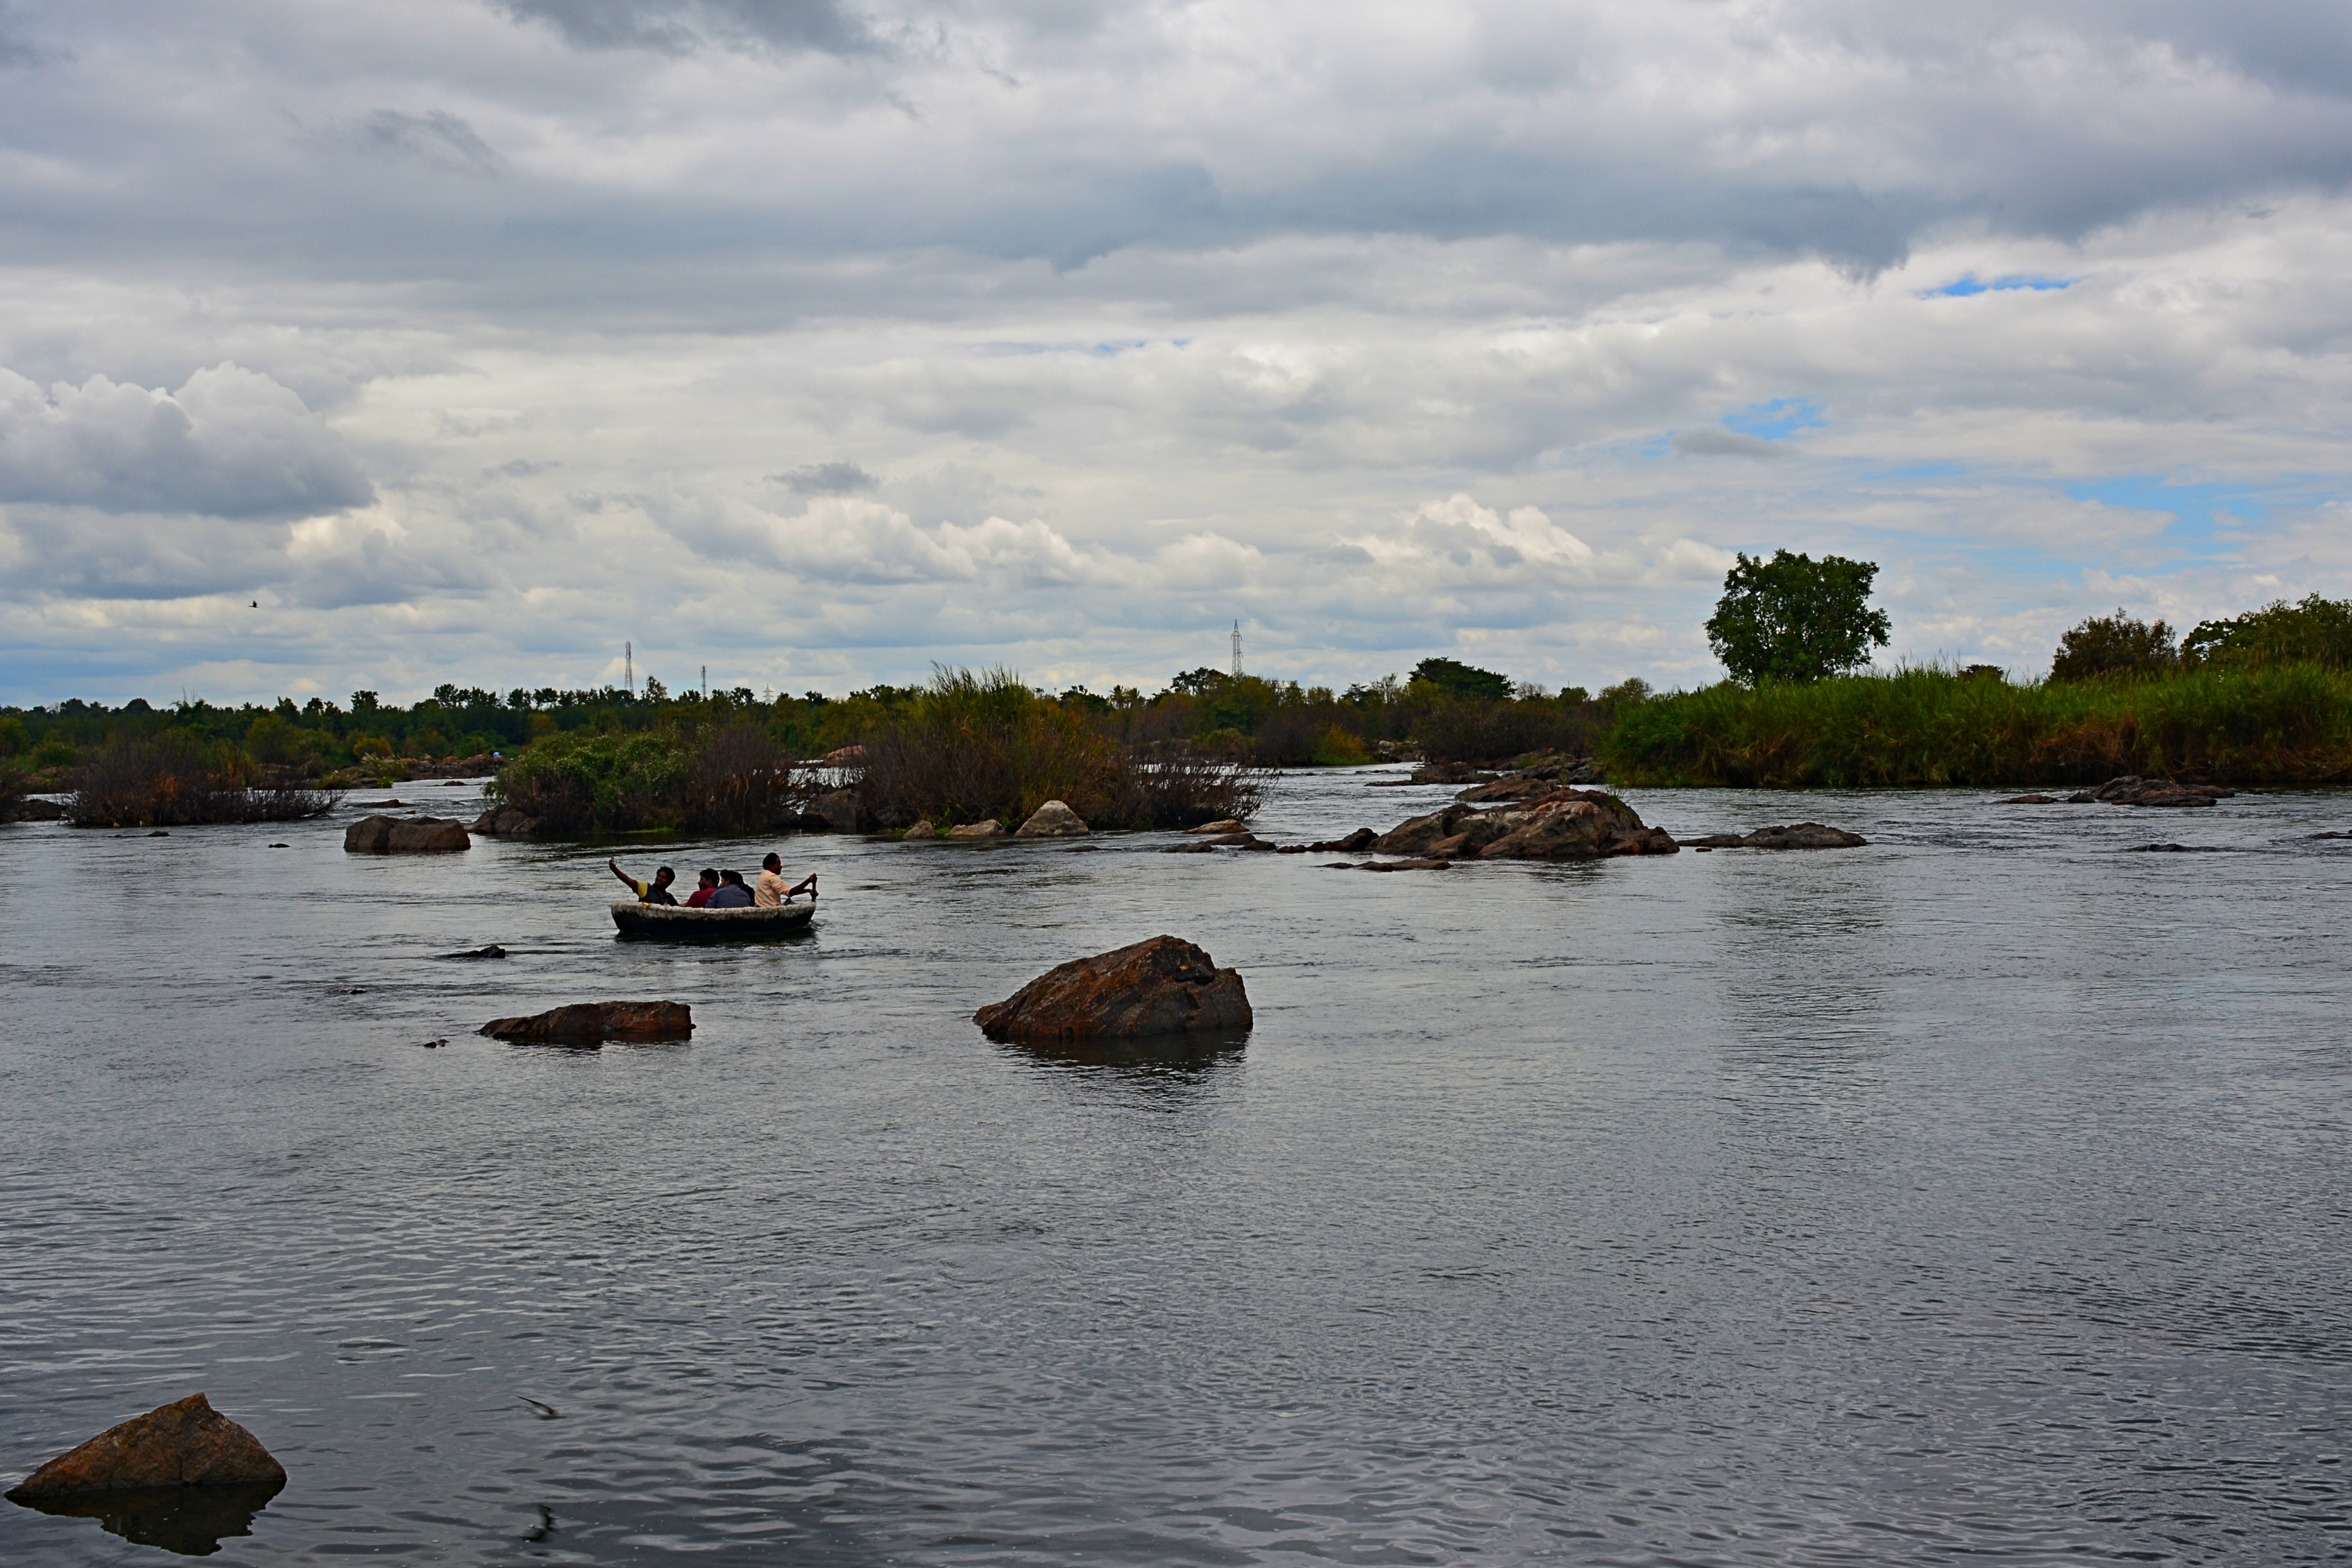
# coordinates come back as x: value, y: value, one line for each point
x: 706, y: 883
x: 654, y: 892
x: 772, y: 891
x: 731, y: 894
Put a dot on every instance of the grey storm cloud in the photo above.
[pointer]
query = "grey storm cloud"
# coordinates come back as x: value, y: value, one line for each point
x: 827, y: 479
x: 1709, y: 441
x: 229, y: 443
x: 675, y: 26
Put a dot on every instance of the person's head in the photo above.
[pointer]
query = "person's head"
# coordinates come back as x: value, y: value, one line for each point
x: 706, y: 877
x: 736, y: 878
x: 665, y: 877
x: 774, y: 862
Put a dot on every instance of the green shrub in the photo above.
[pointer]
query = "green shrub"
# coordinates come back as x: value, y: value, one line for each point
x: 2316, y: 631
x: 2115, y: 645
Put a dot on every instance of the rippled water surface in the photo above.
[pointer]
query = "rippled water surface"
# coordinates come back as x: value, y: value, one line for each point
x: 1981, y: 1195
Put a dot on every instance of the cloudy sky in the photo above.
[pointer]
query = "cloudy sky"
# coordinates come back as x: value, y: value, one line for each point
x: 349, y: 345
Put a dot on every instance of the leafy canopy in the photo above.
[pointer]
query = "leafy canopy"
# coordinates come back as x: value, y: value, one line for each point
x: 1794, y: 619
x: 2316, y: 631
x: 2114, y: 645
x: 1454, y: 679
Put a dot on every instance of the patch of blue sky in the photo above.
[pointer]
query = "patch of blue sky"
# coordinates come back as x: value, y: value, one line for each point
x: 1777, y: 420
x: 2196, y: 507
x: 1961, y: 287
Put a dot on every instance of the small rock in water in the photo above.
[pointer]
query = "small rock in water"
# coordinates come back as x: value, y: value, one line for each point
x: 921, y: 829
x: 1405, y: 865
x: 2029, y: 800
x: 1360, y: 839
x: 1053, y: 819
x: 492, y: 950
x: 992, y: 828
x: 1163, y: 986
x: 2172, y: 849
x: 1793, y: 836
x: 186, y: 1444
x: 2331, y: 836
x: 396, y: 835
x: 588, y: 1022
x: 1223, y: 825
x: 159, y: 833
x: 436, y: 1045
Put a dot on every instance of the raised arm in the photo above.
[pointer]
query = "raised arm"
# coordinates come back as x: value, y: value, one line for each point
x: 631, y: 882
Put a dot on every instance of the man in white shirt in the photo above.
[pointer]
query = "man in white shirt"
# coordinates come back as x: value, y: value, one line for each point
x: 772, y: 891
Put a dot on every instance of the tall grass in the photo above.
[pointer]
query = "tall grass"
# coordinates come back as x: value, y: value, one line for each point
x: 1929, y: 726
x: 977, y: 746
x: 175, y: 779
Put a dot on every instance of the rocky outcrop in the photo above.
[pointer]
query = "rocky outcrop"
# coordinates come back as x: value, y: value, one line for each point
x: 2133, y: 789
x: 1163, y: 986
x: 1563, y: 824
x: 584, y: 1022
x: 506, y: 821
x: 186, y: 1444
x: 1507, y: 789
x: 920, y: 829
x: 1793, y: 836
x: 406, y: 835
x: 1053, y: 819
x: 836, y: 810
x: 1452, y: 773
x: 990, y: 828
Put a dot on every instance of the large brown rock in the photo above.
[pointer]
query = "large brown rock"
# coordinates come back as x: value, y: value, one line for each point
x: 836, y: 811
x: 186, y: 1444
x: 586, y: 1021
x: 1163, y: 986
x: 404, y: 835
x: 500, y: 820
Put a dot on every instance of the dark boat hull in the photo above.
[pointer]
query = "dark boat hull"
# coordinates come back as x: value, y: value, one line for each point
x: 668, y: 923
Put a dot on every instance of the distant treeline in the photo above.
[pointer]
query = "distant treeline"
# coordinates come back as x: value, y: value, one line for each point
x: 1453, y: 708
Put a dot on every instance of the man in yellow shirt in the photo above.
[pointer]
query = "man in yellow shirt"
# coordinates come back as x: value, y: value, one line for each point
x: 654, y: 892
x: 772, y: 892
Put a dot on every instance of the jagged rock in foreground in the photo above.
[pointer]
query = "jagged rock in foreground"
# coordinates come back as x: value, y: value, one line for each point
x: 2133, y: 789
x: 404, y: 835
x: 1163, y: 986
x: 1566, y: 823
x: 584, y: 1022
x: 1793, y: 836
x: 186, y: 1444
x: 1055, y: 819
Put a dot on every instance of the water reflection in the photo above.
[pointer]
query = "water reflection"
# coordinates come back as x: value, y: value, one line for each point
x: 1188, y: 1058
x: 190, y: 1521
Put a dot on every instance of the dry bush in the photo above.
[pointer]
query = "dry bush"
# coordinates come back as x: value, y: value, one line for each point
x: 173, y: 780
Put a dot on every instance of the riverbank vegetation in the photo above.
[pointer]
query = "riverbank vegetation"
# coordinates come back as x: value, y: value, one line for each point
x: 1931, y: 726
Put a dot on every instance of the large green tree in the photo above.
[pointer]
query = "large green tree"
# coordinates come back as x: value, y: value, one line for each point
x: 1795, y: 618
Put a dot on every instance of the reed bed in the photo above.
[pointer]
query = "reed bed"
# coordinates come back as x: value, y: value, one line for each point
x: 175, y: 779
x: 1930, y: 726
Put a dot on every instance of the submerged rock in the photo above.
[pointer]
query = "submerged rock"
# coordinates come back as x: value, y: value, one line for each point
x: 587, y: 1021
x: 2029, y: 800
x: 2133, y: 789
x: 1053, y: 819
x: 404, y: 835
x: 1431, y: 865
x: 186, y: 1444
x: 1163, y: 986
x: 492, y: 950
x: 1793, y: 836
x: 1360, y: 839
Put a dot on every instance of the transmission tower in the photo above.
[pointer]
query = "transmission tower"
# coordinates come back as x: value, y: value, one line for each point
x: 1237, y: 650
x: 629, y: 667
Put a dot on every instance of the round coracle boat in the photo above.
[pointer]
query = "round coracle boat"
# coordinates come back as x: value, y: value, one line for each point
x: 676, y: 922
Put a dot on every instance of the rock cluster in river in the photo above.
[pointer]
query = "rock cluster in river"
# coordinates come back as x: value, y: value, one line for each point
x: 1163, y: 986
x: 184, y: 1444
x: 406, y: 835
x: 586, y: 1021
x: 1561, y: 824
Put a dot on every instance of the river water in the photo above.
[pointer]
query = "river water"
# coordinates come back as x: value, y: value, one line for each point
x: 1978, y: 1196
